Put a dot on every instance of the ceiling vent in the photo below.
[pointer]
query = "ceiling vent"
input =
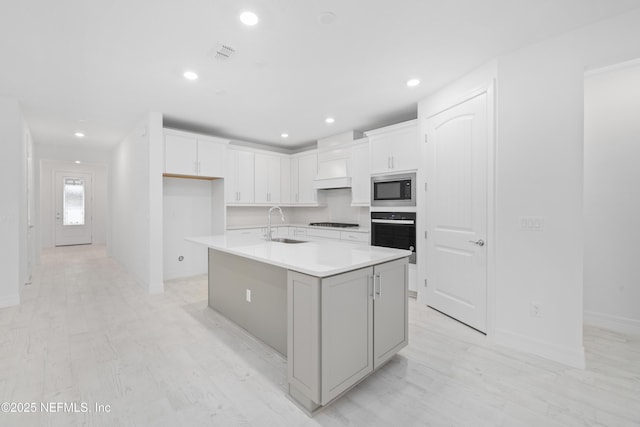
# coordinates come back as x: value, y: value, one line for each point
x: 223, y: 52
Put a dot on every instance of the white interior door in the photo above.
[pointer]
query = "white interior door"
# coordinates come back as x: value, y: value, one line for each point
x: 457, y: 152
x: 73, y: 202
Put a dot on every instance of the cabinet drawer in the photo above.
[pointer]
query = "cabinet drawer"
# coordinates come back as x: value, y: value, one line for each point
x: 354, y: 237
x: 247, y: 232
x: 299, y: 231
x: 327, y: 234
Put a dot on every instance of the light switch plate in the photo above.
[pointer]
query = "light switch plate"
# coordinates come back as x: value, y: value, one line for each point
x: 532, y: 223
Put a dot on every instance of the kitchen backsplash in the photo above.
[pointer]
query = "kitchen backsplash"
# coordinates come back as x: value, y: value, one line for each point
x: 338, y: 209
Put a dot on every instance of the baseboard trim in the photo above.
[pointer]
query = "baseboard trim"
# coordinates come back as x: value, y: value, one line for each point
x: 623, y: 325
x: 573, y: 357
x: 10, y: 300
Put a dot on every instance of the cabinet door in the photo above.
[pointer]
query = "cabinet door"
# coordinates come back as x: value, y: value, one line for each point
x: 267, y: 179
x: 347, y: 331
x: 245, y: 177
x: 390, y: 310
x: 360, y: 176
x: 180, y: 155
x: 295, y: 180
x: 231, y: 194
x: 211, y: 159
x: 380, y: 154
x: 285, y: 180
x: 273, y: 177
x: 404, y: 155
x: 261, y: 178
x: 239, y: 178
x: 307, y: 171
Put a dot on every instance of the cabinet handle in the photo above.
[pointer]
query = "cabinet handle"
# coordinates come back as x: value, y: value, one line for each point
x: 379, y: 293
x: 297, y: 197
x: 373, y: 286
x: 199, y: 168
x: 393, y: 162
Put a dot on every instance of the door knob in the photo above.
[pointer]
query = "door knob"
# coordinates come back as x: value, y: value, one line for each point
x: 478, y: 242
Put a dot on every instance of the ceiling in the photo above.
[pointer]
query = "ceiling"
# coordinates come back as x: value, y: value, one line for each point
x: 100, y: 65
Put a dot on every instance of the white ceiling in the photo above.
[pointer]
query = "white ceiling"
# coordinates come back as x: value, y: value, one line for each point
x: 100, y: 65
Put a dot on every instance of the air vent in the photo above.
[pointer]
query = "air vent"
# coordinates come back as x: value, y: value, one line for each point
x: 223, y: 52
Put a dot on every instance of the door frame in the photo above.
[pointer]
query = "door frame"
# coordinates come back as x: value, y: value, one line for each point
x: 489, y: 88
x: 54, y: 195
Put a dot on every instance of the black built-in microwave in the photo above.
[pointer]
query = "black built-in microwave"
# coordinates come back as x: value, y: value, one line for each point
x: 393, y: 190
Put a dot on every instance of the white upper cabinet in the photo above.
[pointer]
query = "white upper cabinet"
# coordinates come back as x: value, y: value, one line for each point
x: 239, y: 180
x: 193, y: 155
x: 180, y: 155
x: 211, y: 158
x: 267, y: 179
x: 285, y: 180
x: 304, y: 169
x: 394, y: 148
x: 360, y: 171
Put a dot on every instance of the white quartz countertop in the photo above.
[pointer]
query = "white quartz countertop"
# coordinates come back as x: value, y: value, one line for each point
x: 315, y: 258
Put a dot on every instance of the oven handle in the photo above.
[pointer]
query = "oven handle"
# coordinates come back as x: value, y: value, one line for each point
x: 393, y: 221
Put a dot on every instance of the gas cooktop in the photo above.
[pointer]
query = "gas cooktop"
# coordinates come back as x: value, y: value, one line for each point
x: 333, y: 224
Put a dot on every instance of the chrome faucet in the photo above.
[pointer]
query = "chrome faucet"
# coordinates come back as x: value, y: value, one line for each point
x: 269, y: 236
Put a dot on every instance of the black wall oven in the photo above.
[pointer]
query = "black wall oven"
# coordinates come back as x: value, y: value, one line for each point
x: 394, y: 230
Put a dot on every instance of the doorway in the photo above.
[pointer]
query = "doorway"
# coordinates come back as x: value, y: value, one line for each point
x: 611, y: 197
x: 73, y: 193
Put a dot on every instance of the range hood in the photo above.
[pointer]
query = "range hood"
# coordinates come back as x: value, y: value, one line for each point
x: 334, y: 156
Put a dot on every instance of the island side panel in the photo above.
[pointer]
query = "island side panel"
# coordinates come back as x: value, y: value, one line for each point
x: 265, y: 317
x: 304, y: 339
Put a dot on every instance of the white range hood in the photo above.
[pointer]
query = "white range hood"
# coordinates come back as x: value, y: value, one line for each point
x: 334, y: 156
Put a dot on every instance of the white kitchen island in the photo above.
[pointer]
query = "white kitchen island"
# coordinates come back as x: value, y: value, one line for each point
x: 336, y: 310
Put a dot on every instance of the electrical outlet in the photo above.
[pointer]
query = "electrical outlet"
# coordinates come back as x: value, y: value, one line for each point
x: 248, y: 295
x: 535, y: 310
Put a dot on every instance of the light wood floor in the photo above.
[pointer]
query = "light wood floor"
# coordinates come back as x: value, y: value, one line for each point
x: 86, y: 332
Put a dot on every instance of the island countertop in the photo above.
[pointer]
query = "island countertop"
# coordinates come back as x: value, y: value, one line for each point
x: 319, y: 258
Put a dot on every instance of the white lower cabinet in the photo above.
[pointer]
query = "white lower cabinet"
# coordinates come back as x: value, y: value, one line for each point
x: 354, y: 236
x: 323, y: 233
x: 342, y: 328
x: 257, y: 231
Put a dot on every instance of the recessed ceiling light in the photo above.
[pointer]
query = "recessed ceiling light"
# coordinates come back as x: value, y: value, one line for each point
x: 77, y: 162
x: 249, y: 18
x: 79, y: 135
x: 190, y: 75
x: 413, y: 82
x: 285, y: 135
x: 329, y: 120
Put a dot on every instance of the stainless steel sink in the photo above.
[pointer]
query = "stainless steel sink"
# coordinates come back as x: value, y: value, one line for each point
x: 285, y: 240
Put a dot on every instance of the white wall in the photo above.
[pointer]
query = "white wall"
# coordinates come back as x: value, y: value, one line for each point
x: 338, y: 209
x: 539, y: 172
x: 13, y: 209
x: 612, y: 199
x: 136, y: 203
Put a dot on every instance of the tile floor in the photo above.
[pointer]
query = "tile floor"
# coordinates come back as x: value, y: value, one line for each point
x: 87, y: 334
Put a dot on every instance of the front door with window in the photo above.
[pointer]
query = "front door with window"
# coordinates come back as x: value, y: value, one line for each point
x: 73, y: 195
